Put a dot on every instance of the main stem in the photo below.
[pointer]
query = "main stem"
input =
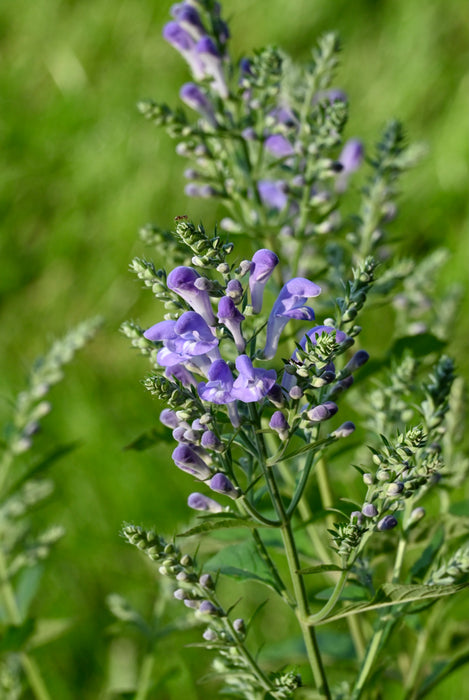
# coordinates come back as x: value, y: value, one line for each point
x: 29, y: 665
x: 299, y: 589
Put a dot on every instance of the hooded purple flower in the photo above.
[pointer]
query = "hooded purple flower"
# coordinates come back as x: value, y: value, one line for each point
x: 182, y: 281
x: 183, y: 42
x: 229, y: 315
x: 181, y: 373
x: 219, y: 387
x: 273, y: 194
x: 211, y: 60
x: 188, y: 17
x: 279, y: 146
x: 221, y: 484
x: 263, y: 264
x: 198, y: 501
x: 351, y: 158
x: 189, y: 461
x: 194, y: 98
x: 192, y: 336
x: 279, y: 423
x: 252, y: 384
x: 289, y: 304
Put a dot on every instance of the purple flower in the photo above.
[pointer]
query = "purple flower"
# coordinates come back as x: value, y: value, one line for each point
x: 221, y: 484
x: 189, y: 461
x: 289, y: 304
x: 263, y: 264
x: 208, y: 608
x: 182, y: 281
x: 198, y: 501
x: 183, y: 42
x: 219, y: 387
x: 234, y: 290
x: 369, y: 510
x: 279, y: 423
x: 350, y: 159
x: 181, y: 373
x: 210, y: 635
x: 229, y: 315
x: 322, y: 412
x: 283, y: 115
x: 212, y: 63
x: 188, y: 17
x: 192, y: 336
x: 357, y: 361
x: 351, y: 156
x: 252, y: 384
x: 169, y: 418
x: 273, y: 193
x: 387, y: 523
x: 331, y: 95
x: 356, y: 517
x: 211, y: 442
x: 279, y: 146
x: 194, y: 98
x: 344, y: 430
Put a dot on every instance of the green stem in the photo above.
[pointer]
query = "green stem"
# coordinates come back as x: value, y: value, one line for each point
x: 145, y: 676
x: 262, y: 549
x: 11, y: 606
x: 325, y: 490
x: 333, y: 600
x: 302, y: 610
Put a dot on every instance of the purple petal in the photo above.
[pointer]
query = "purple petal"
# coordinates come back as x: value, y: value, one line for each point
x: 218, y: 388
x: 279, y: 146
x: 198, y: 501
x: 189, y: 461
x: 182, y: 281
x: 273, y: 194
x: 221, y: 484
x: 178, y: 37
x: 161, y: 331
x: 263, y: 264
x: 352, y: 155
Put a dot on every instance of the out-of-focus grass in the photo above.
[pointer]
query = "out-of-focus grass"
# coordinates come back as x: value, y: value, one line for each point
x: 81, y: 172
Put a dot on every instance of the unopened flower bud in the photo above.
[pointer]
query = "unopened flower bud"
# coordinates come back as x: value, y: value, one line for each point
x: 356, y: 517
x: 395, y: 488
x: 387, y: 523
x: 220, y: 483
x: 417, y: 514
x: 344, y: 430
x: 206, y: 581
x: 368, y: 479
x: 369, y: 510
x: 295, y: 393
x: 210, y: 635
x: 239, y: 625
x: 208, y: 608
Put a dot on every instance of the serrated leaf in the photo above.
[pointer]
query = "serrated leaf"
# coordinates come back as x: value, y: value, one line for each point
x: 147, y: 440
x: 428, y: 555
x: 223, y: 522
x: 396, y: 594
x: 419, y: 345
x: 242, y: 561
x: 319, y: 569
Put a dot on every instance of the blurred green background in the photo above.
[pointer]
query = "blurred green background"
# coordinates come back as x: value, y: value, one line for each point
x: 82, y: 172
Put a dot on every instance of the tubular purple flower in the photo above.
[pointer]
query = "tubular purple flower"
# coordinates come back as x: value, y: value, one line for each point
x: 234, y: 290
x: 221, y: 484
x: 344, y: 430
x: 188, y: 17
x: 189, y: 461
x: 212, y: 63
x: 263, y: 264
x: 229, y: 315
x: 192, y: 336
x: 198, y: 501
x: 194, y: 98
x: 360, y: 358
x: 289, y: 304
x: 252, y: 384
x: 164, y: 330
x: 279, y: 423
x: 273, y: 193
x: 322, y: 412
x: 211, y: 442
x: 182, y: 281
x: 387, y: 523
x: 181, y: 373
x: 219, y: 387
x: 169, y: 418
x: 279, y: 146
x: 352, y: 156
x: 183, y: 42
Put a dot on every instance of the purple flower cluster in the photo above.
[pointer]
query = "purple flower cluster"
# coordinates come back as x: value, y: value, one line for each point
x: 189, y: 351
x: 203, y: 53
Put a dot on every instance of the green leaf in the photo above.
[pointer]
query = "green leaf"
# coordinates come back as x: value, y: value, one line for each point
x: 147, y: 440
x: 319, y: 569
x: 423, y: 563
x: 242, y: 561
x: 218, y: 521
x: 14, y: 637
x: 350, y: 592
x: 419, y: 345
x: 441, y: 671
x: 28, y: 584
x: 396, y: 594
x: 49, y: 629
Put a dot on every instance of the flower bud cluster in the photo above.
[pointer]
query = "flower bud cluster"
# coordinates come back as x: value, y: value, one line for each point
x: 208, y: 252
x: 453, y: 571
